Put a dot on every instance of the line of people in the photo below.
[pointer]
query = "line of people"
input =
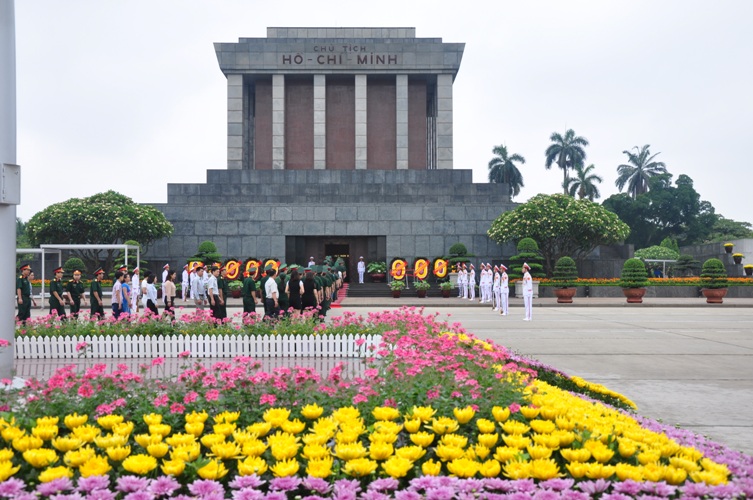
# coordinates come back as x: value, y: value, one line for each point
x: 494, y: 287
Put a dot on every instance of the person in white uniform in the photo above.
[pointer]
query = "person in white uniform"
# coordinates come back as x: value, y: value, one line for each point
x: 184, y: 283
x: 165, y: 270
x: 488, y: 278
x: 527, y: 292
x: 504, y: 290
x: 497, y: 290
x: 462, y: 290
x: 311, y: 261
x: 135, y: 291
x: 361, y: 269
x: 472, y: 283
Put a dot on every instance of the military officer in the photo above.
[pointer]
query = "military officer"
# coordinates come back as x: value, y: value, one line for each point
x: 224, y: 287
x: 75, y: 293
x: 56, y: 293
x: 95, y: 293
x: 23, y: 293
x: 472, y: 283
x: 249, y: 291
x: 497, y: 289
x: 361, y: 269
x: 505, y: 290
x: 527, y: 292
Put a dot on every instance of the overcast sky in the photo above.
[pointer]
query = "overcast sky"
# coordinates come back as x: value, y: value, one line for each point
x: 129, y: 96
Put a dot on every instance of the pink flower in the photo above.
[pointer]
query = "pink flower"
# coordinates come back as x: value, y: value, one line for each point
x: 514, y: 408
x: 85, y: 391
x: 190, y: 397
x: 161, y: 400
x: 177, y: 408
x: 185, y: 354
x: 158, y: 361
x: 81, y: 346
x: 5, y: 343
x: 212, y: 395
x: 269, y: 399
x: 359, y: 398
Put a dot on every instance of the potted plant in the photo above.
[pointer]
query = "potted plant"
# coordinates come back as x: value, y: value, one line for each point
x: 634, y: 280
x: 748, y: 268
x: 397, y: 287
x: 714, y: 281
x: 565, y: 274
x: 738, y: 258
x: 446, y: 288
x: 728, y: 247
x: 377, y: 271
x: 421, y: 287
x: 235, y: 287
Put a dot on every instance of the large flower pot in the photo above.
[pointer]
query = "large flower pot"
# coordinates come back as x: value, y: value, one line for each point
x: 565, y: 295
x: 421, y: 293
x: 634, y: 295
x: 236, y: 294
x: 748, y: 271
x: 446, y: 293
x: 714, y: 295
x: 738, y: 260
x: 377, y: 277
x: 396, y: 294
x: 728, y: 249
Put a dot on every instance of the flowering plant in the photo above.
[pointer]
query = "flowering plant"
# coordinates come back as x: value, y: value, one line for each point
x: 738, y: 255
x: 396, y: 285
x: 421, y: 285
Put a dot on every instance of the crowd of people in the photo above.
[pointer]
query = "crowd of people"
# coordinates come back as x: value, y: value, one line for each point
x: 493, y: 285
x: 280, y: 289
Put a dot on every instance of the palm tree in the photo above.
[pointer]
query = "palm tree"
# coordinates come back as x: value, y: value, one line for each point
x: 584, y: 183
x: 502, y: 169
x: 566, y: 151
x: 640, y: 168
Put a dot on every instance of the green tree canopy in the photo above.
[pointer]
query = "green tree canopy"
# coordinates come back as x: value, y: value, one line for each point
x: 584, y: 183
x: 566, y: 151
x: 502, y: 169
x: 105, y: 218
x: 727, y: 229
x: 640, y: 168
x: 561, y: 225
x: 657, y: 252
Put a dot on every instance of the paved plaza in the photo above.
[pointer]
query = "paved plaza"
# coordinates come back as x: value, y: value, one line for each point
x: 683, y: 362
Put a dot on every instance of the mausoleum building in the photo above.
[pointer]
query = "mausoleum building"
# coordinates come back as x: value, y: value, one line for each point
x: 339, y: 142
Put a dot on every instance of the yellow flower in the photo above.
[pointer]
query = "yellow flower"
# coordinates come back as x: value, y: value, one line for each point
x: 454, y: 440
x: 152, y: 419
x: 431, y: 468
x: 447, y: 453
x: 196, y: 417
x: 380, y: 451
x: 293, y: 426
x: 252, y: 465
x: 227, y: 417
x: 77, y: 458
x: 225, y: 451
x: 350, y: 451
x: 490, y: 468
x: 599, y: 471
x: 500, y: 414
x: 517, y: 470
x: 312, y: 411
x: 710, y: 477
x: 488, y: 440
x: 359, y: 467
x: 675, y: 476
x: 95, y: 466
x: 387, y: 427
x: 158, y: 450
x: 316, y: 438
x: 575, y: 455
x: 481, y: 451
x: 276, y: 416
x: 123, y: 428
x: 25, y: 443
x: 40, y: 457
x: 485, y: 426
x: 397, y: 466
x: 145, y: 440
x: 565, y: 423
x: 45, y: 432
x: 176, y: 440
x: 544, y: 468
x: 173, y: 467
x: 253, y: 448
x: 423, y: 439
x: 551, y: 441
x: 678, y: 462
x: 602, y: 455
x: 464, y: 415
x: 7, y: 455
x: 118, y: 453
x: 516, y: 440
x: 160, y: 429
x: 315, y: 452
x: 515, y: 427
x: 215, y: 469
x: 194, y: 428
x: 52, y: 473
x: 74, y: 420
x: 566, y: 438
x: 425, y: 413
x: 86, y: 432
x: 47, y: 421
x: 506, y: 453
x: 285, y: 468
x: 139, y: 464
x: 186, y: 452
x: 320, y: 467
x: 224, y: 428
x: 210, y: 440
x: 412, y: 424
x: 626, y: 471
x: 412, y: 453
x: 12, y: 433
x: 7, y: 469
x: 648, y: 456
x: 444, y: 425
x: 284, y: 450
x: 542, y: 426
x: 261, y: 429
x: 530, y: 412
x: 108, y: 441
x: 385, y: 413
x: 383, y: 437
x: 107, y: 421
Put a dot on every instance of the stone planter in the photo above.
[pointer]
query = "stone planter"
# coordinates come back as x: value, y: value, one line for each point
x: 748, y: 271
x: 634, y: 295
x: 738, y: 260
x: 714, y: 295
x: 453, y: 279
x: 378, y: 277
x: 565, y: 295
x: 728, y: 249
x: 519, y: 289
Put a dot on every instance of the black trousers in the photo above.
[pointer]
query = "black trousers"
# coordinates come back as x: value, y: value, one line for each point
x: 270, y: 309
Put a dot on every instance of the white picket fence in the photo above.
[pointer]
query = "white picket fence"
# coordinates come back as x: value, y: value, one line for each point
x: 198, y: 346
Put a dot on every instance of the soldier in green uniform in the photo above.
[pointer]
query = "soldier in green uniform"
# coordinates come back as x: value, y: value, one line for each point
x: 23, y: 294
x: 75, y: 293
x: 326, y: 291
x: 56, y: 293
x: 95, y: 293
x: 282, y: 298
x: 249, y: 291
x: 224, y: 288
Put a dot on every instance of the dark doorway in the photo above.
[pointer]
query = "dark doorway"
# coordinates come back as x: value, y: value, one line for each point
x: 298, y: 249
x: 339, y: 250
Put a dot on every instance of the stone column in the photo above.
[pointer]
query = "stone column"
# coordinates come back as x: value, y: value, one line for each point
x: 361, y: 140
x: 320, y: 122
x: 278, y: 122
x: 235, y: 122
x: 401, y: 119
x: 444, y: 121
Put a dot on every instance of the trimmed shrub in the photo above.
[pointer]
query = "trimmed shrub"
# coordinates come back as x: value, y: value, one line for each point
x: 565, y: 271
x: 73, y: 264
x: 714, y: 274
x: 634, y: 274
x: 528, y: 252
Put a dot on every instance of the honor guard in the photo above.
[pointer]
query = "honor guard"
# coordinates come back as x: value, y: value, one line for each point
x: 57, y: 294
x: 75, y: 293
x: 184, y: 283
x: 527, y: 292
x: 504, y: 290
x: 23, y: 293
x: 497, y: 289
x: 95, y: 293
x: 472, y: 283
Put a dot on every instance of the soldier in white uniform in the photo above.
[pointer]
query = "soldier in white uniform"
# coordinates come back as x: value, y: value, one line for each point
x: 311, y: 261
x: 497, y: 290
x: 135, y: 291
x: 527, y: 292
x: 165, y: 270
x: 472, y: 283
x: 504, y: 290
x: 184, y: 283
x: 361, y: 269
x: 462, y: 276
x: 486, y: 296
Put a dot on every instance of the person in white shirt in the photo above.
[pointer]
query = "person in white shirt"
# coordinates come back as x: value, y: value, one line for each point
x: 271, y: 305
x: 213, y: 293
x: 504, y: 290
x: 361, y: 269
x: 135, y: 291
x: 472, y: 283
x: 184, y: 283
x: 527, y: 292
x: 198, y: 292
x: 117, y: 294
x: 149, y: 300
x: 165, y: 270
x: 311, y: 261
x: 497, y: 290
x: 462, y: 281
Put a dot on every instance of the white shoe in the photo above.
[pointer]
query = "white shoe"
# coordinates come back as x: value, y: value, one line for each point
x: 503, y: 314
x: 526, y: 319
x: 495, y: 309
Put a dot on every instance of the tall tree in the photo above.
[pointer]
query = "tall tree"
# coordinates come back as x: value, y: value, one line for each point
x: 566, y: 151
x: 641, y: 167
x: 584, y: 182
x: 502, y: 169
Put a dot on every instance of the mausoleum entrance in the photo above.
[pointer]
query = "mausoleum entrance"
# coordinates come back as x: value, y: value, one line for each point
x: 300, y: 249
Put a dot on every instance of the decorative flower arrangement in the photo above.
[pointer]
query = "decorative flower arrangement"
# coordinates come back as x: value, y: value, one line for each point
x: 421, y: 285
x: 738, y: 255
x: 728, y: 245
x: 396, y: 285
x: 445, y: 415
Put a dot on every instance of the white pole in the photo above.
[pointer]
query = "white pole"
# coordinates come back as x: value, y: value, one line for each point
x: 7, y: 155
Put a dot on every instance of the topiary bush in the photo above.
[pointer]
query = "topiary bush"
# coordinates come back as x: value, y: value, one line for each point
x: 686, y: 265
x: 634, y: 274
x: 565, y: 272
x: 528, y: 252
x: 73, y: 264
x: 458, y: 250
x: 207, y: 253
x: 457, y: 254
x: 714, y: 274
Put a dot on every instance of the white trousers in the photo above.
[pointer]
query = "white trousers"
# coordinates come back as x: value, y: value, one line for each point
x: 184, y: 289
x: 528, y: 302
x: 497, y: 301
x: 472, y: 290
x: 360, y: 276
x: 505, y: 292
